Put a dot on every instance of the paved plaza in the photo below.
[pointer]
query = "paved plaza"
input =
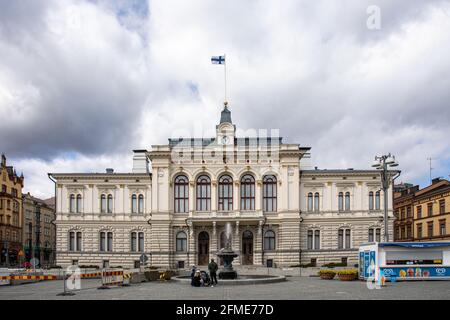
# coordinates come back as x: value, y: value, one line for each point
x: 293, y: 288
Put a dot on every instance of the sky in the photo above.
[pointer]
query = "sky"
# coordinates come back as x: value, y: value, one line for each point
x: 83, y: 83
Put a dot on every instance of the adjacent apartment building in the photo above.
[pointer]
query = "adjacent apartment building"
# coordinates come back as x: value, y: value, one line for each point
x: 180, y: 198
x: 423, y: 214
x: 10, y: 214
x: 39, y: 229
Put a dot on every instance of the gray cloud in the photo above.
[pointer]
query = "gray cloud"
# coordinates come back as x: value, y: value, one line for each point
x: 95, y: 79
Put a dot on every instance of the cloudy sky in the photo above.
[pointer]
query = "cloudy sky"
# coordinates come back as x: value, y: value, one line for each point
x: 82, y: 83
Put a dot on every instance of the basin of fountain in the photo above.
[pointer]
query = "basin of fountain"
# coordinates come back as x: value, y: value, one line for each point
x: 227, y: 274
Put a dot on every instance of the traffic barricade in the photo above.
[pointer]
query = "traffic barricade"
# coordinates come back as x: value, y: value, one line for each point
x: 111, y: 277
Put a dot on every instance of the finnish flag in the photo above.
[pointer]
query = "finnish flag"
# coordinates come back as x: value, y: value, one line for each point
x: 218, y: 60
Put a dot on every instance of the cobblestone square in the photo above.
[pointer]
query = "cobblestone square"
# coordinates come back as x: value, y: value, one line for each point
x: 293, y: 288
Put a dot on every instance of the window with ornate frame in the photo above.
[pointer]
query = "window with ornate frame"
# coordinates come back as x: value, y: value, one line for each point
x: 225, y: 193
x: 270, y: 193
x: 248, y: 192
x: 203, y: 193
x: 181, y: 194
x: 269, y: 240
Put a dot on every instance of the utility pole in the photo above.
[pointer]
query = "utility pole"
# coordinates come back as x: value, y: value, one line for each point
x: 431, y: 168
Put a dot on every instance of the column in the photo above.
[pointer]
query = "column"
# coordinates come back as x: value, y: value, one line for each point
x: 237, y: 243
x: 192, y: 259
x: 213, y: 242
x: 257, y: 250
x: 191, y: 198
x: 236, y: 196
x: 258, y: 194
x: 214, y: 196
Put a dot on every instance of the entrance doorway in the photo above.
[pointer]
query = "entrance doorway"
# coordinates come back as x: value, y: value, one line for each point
x: 247, y: 247
x: 203, y: 248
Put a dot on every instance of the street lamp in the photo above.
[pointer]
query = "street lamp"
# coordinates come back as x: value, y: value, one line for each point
x: 382, y: 163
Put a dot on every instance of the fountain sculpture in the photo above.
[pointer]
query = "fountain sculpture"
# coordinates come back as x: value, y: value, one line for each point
x: 227, y: 255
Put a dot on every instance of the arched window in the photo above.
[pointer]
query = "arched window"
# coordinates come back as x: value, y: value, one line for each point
x: 269, y: 240
x: 248, y: 192
x: 203, y: 193
x: 347, y: 201
x: 377, y: 200
x: 110, y: 203
x: 103, y: 203
x: 341, y: 201
x: 269, y: 193
x: 181, y: 194
x: 181, y: 243
x: 141, y: 204
x: 370, y: 200
x: 310, y: 201
x: 133, y: 204
x: 72, y: 203
x: 225, y: 193
x: 316, y: 201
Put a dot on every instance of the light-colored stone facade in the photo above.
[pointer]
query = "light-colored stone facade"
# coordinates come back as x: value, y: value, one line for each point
x: 184, y: 213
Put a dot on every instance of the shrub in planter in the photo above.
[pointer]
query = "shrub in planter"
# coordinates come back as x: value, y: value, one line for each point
x: 327, y: 274
x: 348, y: 275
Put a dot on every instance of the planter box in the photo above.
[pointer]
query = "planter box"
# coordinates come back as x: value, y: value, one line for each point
x: 347, y: 277
x: 327, y: 276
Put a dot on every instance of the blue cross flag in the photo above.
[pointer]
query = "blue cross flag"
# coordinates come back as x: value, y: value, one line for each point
x: 218, y: 59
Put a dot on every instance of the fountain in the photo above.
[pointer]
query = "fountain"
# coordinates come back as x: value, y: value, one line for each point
x: 227, y: 254
x: 228, y: 275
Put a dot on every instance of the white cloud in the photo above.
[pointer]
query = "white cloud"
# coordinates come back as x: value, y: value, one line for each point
x: 100, y: 78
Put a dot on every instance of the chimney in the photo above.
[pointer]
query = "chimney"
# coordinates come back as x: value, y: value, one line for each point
x: 109, y: 170
x: 435, y: 180
x: 140, y: 161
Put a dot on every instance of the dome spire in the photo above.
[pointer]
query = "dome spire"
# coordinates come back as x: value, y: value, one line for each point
x: 225, y: 116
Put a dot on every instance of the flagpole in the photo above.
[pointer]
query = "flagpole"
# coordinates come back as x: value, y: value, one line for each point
x: 225, y: 78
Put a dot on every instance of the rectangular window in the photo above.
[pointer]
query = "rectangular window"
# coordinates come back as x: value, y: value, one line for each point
x: 313, y: 262
x: 408, y: 212
x: 408, y: 231
x: 378, y: 235
x: 419, y: 212
x: 133, y: 241
x: 347, y: 239
x: 430, y: 209
x: 344, y: 261
x: 341, y: 239
x: 110, y: 241
x: 78, y: 241
x: 419, y: 231
x: 102, y: 241
x: 442, y: 230
x: 371, y: 238
x: 71, y: 241
x: 141, y: 241
x: 430, y: 229
x: 317, y: 239
x: 402, y: 215
x: 441, y: 206
x: 310, y: 239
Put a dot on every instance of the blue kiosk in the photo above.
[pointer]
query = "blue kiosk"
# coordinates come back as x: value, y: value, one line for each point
x: 404, y: 261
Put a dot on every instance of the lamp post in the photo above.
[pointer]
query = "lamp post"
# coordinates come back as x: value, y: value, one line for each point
x: 383, y: 163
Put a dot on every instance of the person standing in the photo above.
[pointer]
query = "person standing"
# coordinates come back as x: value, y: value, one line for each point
x: 212, y: 267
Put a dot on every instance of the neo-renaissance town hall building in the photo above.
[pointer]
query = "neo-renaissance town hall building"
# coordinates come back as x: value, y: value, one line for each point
x: 175, y: 203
